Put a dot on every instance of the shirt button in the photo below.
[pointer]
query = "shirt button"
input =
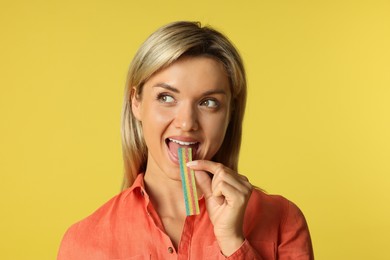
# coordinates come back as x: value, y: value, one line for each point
x: 170, y: 250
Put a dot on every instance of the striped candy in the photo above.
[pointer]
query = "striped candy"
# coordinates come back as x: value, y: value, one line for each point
x: 188, y: 182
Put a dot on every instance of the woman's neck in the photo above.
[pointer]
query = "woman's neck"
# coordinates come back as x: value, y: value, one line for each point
x: 167, y: 198
x: 166, y: 194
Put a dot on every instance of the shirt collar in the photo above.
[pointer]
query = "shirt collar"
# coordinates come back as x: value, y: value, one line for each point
x: 138, y: 185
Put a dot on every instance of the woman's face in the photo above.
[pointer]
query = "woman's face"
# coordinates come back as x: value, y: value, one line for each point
x: 184, y: 105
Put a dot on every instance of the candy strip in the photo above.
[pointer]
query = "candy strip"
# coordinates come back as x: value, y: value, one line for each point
x: 188, y: 182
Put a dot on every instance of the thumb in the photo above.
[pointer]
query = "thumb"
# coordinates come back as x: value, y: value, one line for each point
x: 204, y: 183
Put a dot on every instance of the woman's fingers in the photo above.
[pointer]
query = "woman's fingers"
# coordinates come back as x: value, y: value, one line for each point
x: 204, y: 183
x: 219, y: 171
x: 225, y: 182
x: 227, y: 194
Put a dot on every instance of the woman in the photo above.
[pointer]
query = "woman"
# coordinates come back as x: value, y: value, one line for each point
x: 186, y: 88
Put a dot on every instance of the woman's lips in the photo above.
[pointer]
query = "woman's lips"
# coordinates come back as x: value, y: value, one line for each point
x: 174, y: 145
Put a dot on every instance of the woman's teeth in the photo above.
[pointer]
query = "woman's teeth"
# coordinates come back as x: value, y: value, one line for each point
x: 181, y: 142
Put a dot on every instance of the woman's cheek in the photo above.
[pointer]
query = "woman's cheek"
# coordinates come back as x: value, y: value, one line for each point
x: 162, y: 114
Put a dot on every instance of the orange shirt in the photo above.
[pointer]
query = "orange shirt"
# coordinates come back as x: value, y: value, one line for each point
x: 128, y: 227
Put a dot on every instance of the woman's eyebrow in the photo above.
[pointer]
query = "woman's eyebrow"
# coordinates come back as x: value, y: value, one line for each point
x: 166, y: 86
x: 173, y: 89
x: 215, y: 91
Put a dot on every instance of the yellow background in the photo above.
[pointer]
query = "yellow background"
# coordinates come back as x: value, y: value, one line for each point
x: 316, y: 130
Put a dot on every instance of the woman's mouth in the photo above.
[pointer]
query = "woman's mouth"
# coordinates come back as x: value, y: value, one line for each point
x: 174, y: 144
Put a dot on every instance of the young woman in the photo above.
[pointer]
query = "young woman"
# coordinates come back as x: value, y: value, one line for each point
x: 186, y: 88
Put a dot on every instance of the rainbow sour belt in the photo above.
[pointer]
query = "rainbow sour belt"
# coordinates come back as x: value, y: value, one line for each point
x: 188, y: 182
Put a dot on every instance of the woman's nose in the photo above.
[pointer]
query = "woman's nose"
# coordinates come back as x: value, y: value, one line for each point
x: 186, y: 118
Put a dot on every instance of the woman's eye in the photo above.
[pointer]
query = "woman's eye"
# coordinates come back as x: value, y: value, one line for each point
x: 164, y: 98
x: 210, y: 103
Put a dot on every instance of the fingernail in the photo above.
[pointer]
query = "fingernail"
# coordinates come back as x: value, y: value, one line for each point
x: 192, y: 163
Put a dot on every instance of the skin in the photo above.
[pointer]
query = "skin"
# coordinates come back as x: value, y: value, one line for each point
x: 190, y: 101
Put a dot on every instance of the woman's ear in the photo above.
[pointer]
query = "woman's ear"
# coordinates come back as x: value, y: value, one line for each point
x: 135, y: 104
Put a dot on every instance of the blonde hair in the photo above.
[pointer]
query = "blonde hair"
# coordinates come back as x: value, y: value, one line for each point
x: 162, y: 48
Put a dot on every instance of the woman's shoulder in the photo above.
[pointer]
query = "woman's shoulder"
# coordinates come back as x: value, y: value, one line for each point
x: 101, y: 219
x: 272, y: 221
x: 260, y: 198
x: 275, y: 208
x: 94, y: 231
x: 102, y: 212
x: 124, y: 200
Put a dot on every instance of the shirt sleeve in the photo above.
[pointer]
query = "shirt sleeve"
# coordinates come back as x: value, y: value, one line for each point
x: 295, y: 242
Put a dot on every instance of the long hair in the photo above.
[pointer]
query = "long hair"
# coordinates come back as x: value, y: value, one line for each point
x: 162, y: 48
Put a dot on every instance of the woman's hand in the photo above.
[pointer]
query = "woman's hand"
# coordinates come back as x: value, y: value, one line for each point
x: 226, y: 195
